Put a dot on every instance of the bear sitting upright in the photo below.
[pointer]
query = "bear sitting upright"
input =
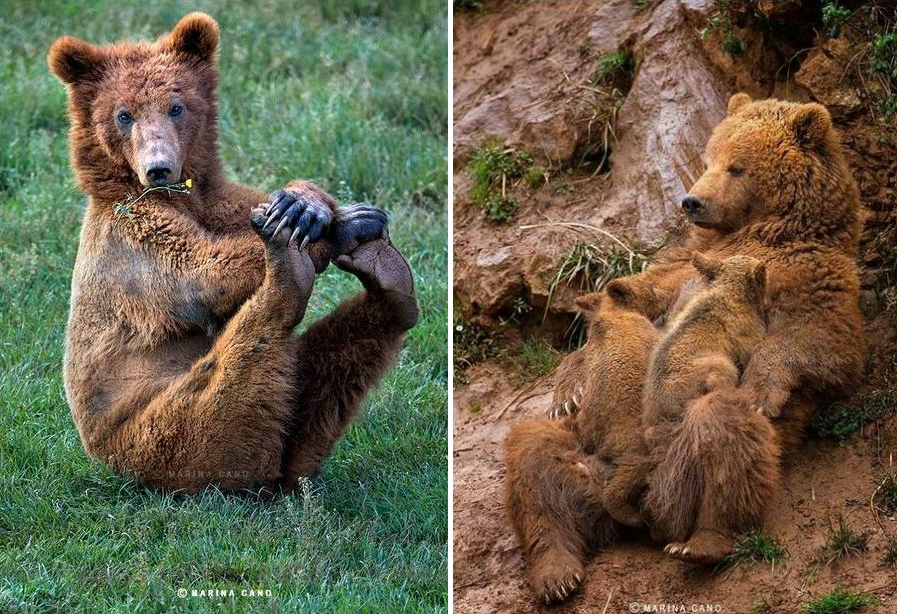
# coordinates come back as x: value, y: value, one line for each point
x: 700, y: 358
x: 777, y: 188
x: 180, y: 365
x: 599, y: 448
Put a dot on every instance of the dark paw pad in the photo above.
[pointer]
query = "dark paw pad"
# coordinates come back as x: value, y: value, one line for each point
x: 355, y: 225
x: 305, y: 216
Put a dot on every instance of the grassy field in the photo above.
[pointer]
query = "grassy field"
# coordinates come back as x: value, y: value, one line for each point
x: 349, y: 94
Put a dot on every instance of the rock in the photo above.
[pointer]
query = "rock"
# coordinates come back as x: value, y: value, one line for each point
x: 823, y: 75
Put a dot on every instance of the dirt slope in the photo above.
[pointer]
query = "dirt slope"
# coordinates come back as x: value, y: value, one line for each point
x: 522, y: 72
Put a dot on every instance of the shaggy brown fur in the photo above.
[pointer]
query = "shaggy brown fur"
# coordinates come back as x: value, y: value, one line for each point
x: 708, y: 343
x: 180, y: 364
x: 719, y: 443
x: 777, y: 188
x: 600, y: 446
x: 703, y: 351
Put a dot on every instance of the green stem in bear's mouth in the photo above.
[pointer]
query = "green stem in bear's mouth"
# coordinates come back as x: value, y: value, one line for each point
x: 124, y: 209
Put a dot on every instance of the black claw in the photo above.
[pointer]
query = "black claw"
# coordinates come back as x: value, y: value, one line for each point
x: 283, y: 222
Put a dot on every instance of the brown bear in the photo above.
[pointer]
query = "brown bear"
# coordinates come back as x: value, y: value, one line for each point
x: 181, y: 367
x: 601, y: 453
x: 707, y: 344
x: 777, y: 188
x: 699, y: 359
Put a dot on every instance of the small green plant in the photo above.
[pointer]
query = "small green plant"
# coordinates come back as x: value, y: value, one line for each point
x: 615, y: 69
x: 842, y: 541
x: 839, y: 601
x: 536, y: 176
x: 890, y: 557
x: 721, y: 20
x: 840, y: 420
x: 472, y: 344
x: 882, y: 53
x: 500, y: 209
x: 758, y: 546
x: 493, y: 167
x: 467, y: 5
x: 589, y: 267
x: 536, y: 359
x: 763, y: 607
x: 834, y: 17
x: 640, y: 5
x: 886, y: 493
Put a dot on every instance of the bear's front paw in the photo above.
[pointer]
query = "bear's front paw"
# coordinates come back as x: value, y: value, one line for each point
x: 766, y: 400
x: 357, y: 224
x: 303, y: 213
x: 269, y: 233
x: 566, y: 407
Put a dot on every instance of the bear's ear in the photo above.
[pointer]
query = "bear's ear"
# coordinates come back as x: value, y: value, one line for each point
x: 706, y: 266
x: 737, y: 101
x: 811, y: 123
x: 620, y: 291
x: 197, y: 35
x: 587, y: 304
x: 73, y: 60
x: 757, y: 281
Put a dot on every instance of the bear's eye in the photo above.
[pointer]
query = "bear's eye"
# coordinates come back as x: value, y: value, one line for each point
x: 175, y: 110
x: 124, y: 118
x: 735, y: 171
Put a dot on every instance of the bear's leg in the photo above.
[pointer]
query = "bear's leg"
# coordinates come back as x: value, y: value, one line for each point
x: 341, y: 357
x: 568, y: 385
x: 624, y: 489
x: 737, y: 453
x: 223, y: 421
x: 554, y: 499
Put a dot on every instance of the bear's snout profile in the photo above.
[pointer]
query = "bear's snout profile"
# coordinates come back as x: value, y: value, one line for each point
x: 692, y: 205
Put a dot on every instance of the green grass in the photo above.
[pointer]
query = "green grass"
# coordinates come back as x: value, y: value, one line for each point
x: 842, y: 541
x: 839, y: 601
x: 535, y: 359
x: 615, y: 68
x: 757, y: 547
x: 886, y: 495
x: 471, y: 344
x: 890, y: 557
x: 494, y: 168
x: 841, y: 420
x: 349, y: 94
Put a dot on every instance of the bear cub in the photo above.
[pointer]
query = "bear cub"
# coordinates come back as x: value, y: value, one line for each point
x: 708, y: 343
x: 608, y: 420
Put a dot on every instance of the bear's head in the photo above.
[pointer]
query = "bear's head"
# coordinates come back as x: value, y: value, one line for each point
x: 626, y: 294
x: 777, y: 165
x: 142, y: 112
x: 742, y: 276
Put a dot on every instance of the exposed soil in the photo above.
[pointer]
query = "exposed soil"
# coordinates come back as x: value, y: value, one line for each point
x: 521, y: 76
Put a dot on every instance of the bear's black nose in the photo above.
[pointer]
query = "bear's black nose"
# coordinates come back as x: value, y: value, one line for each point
x: 159, y: 175
x: 692, y: 205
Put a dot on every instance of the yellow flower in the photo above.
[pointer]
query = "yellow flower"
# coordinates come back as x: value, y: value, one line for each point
x: 189, y: 183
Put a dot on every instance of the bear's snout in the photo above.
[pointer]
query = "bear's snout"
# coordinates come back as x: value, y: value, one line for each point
x: 158, y: 175
x: 692, y: 205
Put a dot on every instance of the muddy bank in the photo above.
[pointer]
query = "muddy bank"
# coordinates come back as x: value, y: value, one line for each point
x: 525, y: 78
